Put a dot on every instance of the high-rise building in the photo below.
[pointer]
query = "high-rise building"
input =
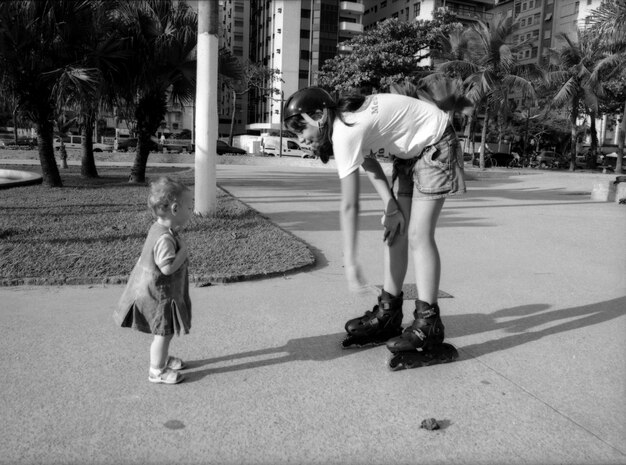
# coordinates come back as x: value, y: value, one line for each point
x: 234, y: 29
x: 295, y: 37
x: 409, y: 10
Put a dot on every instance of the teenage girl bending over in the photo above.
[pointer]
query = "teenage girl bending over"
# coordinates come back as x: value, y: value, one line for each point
x: 427, y: 168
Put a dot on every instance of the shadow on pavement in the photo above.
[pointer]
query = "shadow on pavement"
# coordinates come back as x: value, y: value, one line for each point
x: 520, y: 320
x: 319, y: 348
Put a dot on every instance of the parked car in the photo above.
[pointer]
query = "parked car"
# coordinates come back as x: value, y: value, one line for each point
x: 28, y: 142
x: 76, y: 142
x: 291, y: 148
x: 223, y: 148
x: 130, y: 143
x: 548, y: 159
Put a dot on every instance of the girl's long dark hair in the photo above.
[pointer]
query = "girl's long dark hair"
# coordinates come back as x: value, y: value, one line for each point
x: 346, y: 104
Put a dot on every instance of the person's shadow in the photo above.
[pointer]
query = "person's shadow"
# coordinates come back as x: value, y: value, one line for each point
x: 518, y: 320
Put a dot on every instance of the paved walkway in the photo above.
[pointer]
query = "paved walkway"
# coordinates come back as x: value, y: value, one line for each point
x: 536, y: 275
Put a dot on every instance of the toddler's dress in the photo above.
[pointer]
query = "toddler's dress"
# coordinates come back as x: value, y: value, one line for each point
x: 153, y: 302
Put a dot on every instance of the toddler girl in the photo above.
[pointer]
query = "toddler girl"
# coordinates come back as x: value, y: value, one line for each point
x: 156, y: 298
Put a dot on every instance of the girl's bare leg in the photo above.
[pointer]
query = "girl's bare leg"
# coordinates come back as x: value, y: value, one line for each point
x: 397, y: 256
x: 424, y: 216
x: 159, y: 350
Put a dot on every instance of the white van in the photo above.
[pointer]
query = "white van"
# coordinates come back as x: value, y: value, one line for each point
x: 76, y: 142
x: 291, y: 147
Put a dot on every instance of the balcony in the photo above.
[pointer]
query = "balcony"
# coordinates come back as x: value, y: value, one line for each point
x: 351, y: 8
x: 350, y: 28
x: 341, y: 48
x: 463, y: 14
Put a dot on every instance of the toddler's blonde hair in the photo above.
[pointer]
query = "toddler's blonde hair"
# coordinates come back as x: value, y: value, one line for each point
x: 163, y: 193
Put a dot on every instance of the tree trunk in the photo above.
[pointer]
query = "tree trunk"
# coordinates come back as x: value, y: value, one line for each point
x: 232, y: 119
x: 87, y: 162
x: 206, y: 108
x: 469, y: 132
x: 149, y: 113
x: 573, y: 118
x: 49, y: 168
x: 590, y: 159
x: 619, y: 163
x: 63, y: 155
x: 483, y: 139
x: 138, y: 171
x: 15, y: 137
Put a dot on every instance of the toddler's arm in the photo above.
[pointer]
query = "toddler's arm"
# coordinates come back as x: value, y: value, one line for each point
x: 166, y: 257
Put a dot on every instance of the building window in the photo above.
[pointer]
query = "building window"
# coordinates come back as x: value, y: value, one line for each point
x: 383, y: 4
x: 576, y: 7
x: 305, y: 33
x: 416, y: 9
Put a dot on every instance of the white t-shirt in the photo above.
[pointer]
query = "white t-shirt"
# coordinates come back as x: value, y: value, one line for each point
x: 164, y: 250
x: 396, y: 124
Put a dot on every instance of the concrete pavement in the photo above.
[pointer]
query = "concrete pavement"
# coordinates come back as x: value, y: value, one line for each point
x: 535, y: 272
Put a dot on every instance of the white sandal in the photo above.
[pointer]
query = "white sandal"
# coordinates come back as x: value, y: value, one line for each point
x: 165, y: 376
x: 174, y: 363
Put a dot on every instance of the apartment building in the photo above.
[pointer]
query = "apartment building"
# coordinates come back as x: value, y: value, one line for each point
x: 408, y: 10
x: 295, y: 37
x: 235, y: 35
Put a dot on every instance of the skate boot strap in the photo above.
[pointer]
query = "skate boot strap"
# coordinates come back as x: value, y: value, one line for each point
x: 422, y: 331
x: 427, y: 314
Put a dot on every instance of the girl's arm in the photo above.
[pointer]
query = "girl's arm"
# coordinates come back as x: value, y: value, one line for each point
x: 349, y: 216
x: 393, y: 219
x: 167, y: 258
x: 349, y: 227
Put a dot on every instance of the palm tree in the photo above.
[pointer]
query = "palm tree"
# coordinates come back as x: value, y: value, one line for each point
x: 486, y: 59
x: 162, y: 36
x: 37, y: 53
x: 608, y: 23
x: 102, y: 51
x: 574, y: 62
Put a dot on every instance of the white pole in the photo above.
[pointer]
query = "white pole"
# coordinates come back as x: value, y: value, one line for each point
x: 206, y: 108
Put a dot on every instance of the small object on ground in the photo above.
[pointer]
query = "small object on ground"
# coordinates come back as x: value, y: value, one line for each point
x: 444, y: 353
x: 429, y: 424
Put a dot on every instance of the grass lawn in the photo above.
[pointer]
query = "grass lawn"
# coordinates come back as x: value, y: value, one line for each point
x: 92, y: 231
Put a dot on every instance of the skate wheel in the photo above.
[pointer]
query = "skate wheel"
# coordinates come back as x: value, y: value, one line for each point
x: 445, y: 353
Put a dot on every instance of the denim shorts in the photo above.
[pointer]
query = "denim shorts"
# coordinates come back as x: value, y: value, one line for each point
x: 436, y: 173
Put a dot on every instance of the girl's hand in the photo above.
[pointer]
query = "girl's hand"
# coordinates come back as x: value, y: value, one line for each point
x: 182, y: 248
x: 393, y: 224
x: 356, y: 281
